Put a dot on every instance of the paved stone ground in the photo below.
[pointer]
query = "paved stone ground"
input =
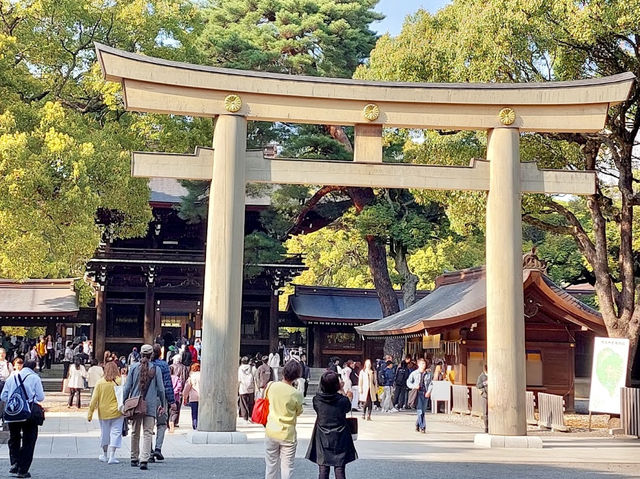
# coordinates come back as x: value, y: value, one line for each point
x: 388, y: 447
x: 253, y: 468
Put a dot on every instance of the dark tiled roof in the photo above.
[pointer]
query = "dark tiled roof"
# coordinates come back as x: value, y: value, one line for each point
x: 346, y: 304
x: 570, y: 298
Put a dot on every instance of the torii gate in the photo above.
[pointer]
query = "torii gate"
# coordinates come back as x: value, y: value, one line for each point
x: 234, y: 96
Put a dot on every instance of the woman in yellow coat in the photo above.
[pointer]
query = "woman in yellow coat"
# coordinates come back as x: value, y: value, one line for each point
x: 111, y: 420
x: 368, y: 388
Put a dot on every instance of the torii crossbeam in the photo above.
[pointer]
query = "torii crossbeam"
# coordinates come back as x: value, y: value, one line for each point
x: 234, y: 96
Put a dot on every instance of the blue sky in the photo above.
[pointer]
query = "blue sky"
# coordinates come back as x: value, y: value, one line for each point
x: 396, y: 11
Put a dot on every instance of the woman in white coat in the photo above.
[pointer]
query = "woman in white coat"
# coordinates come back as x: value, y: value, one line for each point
x: 368, y: 389
x: 77, y: 375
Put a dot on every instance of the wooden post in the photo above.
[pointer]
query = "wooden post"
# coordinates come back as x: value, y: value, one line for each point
x: 274, y: 334
x: 99, y: 343
x: 149, y: 314
x: 505, y: 299
x: 222, y: 307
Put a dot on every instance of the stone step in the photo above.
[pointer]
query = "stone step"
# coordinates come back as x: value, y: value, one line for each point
x: 52, y: 384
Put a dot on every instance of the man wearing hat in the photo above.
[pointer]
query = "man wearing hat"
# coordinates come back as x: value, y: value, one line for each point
x: 144, y: 380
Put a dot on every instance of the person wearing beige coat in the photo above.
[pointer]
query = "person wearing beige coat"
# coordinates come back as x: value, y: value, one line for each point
x: 368, y: 389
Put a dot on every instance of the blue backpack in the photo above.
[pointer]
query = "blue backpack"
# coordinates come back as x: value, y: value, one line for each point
x: 17, y: 407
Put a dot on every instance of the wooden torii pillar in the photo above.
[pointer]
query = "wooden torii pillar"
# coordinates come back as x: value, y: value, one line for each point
x: 234, y: 96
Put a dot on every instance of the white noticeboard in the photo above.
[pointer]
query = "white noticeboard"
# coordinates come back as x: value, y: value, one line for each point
x: 608, y: 374
x: 441, y: 391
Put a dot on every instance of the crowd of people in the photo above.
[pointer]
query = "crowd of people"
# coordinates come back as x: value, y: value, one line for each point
x: 167, y: 377
x: 144, y: 374
x: 45, y: 350
x: 343, y: 389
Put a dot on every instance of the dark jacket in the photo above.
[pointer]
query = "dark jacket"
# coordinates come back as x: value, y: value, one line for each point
x: 402, y: 374
x: 388, y: 375
x: 166, y: 379
x: 331, y: 443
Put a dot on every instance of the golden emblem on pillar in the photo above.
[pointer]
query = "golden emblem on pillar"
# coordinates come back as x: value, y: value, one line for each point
x: 232, y: 103
x: 371, y: 112
x: 507, y: 116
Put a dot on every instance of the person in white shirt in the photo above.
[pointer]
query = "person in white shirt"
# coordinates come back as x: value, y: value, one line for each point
x: 274, y: 362
x: 23, y: 435
x: 94, y: 373
x: 77, y: 375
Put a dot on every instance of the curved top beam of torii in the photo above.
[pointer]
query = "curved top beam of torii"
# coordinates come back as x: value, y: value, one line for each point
x: 162, y: 86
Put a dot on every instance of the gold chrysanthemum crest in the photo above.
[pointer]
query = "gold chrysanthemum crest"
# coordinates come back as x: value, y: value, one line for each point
x: 507, y: 116
x: 371, y: 112
x: 232, y: 103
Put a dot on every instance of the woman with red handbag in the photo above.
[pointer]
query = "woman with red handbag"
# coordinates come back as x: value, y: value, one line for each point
x: 285, y: 405
x: 331, y: 441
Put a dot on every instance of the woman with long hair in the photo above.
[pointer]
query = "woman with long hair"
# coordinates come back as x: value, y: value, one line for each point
x: 104, y: 400
x: 77, y: 375
x: 191, y: 393
x: 368, y: 389
x: 331, y: 442
x: 144, y: 380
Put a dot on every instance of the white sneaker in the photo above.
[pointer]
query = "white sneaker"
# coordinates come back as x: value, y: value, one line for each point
x: 102, y: 458
x: 394, y: 410
x: 113, y: 460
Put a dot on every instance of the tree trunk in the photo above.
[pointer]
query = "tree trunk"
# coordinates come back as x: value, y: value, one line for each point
x: 377, y: 258
x: 409, y: 280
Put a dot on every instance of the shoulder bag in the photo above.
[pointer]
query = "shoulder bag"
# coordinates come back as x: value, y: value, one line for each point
x: 137, y: 405
x: 260, y: 411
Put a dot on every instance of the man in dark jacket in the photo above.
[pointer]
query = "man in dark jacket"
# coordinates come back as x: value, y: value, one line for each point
x: 306, y: 372
x: 162, y: 419
x: 400, y: 381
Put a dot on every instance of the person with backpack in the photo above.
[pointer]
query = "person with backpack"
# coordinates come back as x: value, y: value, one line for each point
x: 111, y: 421
x: 246, y: 388
x: 23, y: 385
x: 144, y: 381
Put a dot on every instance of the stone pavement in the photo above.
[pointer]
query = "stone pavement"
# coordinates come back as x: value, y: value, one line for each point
x: 388, y: 447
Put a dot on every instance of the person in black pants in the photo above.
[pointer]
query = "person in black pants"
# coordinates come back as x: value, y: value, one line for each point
x: 23, y: 435
x: 331, y: 442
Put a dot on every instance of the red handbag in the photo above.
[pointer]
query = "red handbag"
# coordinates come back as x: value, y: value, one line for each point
x: 261, y: 409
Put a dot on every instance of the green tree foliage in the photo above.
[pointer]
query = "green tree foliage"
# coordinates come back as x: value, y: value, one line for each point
x: 64, y: 136
x: 335, y: 255
x: 448, y: 253
x: 306, y: 37
x: 543, y: 40
x: 310, y: 37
